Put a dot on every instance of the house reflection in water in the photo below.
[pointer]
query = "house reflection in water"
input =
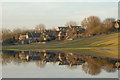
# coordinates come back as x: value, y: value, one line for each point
x: 90, y: 64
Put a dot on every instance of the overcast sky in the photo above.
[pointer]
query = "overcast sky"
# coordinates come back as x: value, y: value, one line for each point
x: 53, y: 14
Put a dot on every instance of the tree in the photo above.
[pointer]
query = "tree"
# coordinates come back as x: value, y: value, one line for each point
x: 108, y: 20
x: 6, y: 34
x: 90, y: 23
x: 18, y: 31
x: 71, y: 23
x: 8, y: 37
x: 84, y: 23
x: 108, y: 24
x: 40, y: 27
x: 52, y: 29
x: 41, y: 64
x: 91, y: 68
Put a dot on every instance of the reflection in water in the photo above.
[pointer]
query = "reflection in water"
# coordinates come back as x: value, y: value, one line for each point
x: 90, y: 64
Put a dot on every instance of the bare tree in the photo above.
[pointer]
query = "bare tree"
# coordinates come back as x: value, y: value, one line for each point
x: 6, y: 34
x: 52, y: 29
x: 84, y: 23
x: 108, y: 20
x: 72, y: 23
x: 18, y: 30
x: 108, y: 24
x: 91, y: 68
x: 40, y: 27
x: 90, y: 22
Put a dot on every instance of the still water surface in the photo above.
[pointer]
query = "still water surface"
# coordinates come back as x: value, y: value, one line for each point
x: 45, y: 64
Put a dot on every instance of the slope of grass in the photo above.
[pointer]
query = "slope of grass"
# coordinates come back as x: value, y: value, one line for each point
x: 109, y: 41
x: 102, y: 41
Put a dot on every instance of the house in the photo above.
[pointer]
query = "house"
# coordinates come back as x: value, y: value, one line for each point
x: 68, y: 27
x: 47, y: 35
x: 29, y: 37
x: 37, y: 36
x: 75, y: 31
x: 62, y: 35
x: 62, y: 28
x: 23, y: 36
x: 23, y: 57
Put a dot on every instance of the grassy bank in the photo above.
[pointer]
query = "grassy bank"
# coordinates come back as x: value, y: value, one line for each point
x: 102, y: 41
x: 109, y: 41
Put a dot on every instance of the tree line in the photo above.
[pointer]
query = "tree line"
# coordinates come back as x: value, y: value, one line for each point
x: 94, y: 25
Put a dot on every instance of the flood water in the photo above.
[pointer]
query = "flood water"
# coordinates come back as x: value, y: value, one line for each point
x: 50, y: 64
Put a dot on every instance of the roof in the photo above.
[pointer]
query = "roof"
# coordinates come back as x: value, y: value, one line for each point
x: 30, y: 35
x: 62, y: 33
x: 33, y: 34
x: 70, y: 27
x: 48, y: 32
x: 80, y: 31
x: 76, y: 26
x: 36, y: 34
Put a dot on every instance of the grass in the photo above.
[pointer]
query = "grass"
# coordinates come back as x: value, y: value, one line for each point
x: 103, y: 41
x: 92, y: 43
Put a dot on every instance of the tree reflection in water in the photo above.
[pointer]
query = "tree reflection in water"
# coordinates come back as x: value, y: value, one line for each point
x: 41, y: 64
x: 90, y: 64
x: 92, y: 68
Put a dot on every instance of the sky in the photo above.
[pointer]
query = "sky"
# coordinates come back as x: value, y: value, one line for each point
x: 53, y: 14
